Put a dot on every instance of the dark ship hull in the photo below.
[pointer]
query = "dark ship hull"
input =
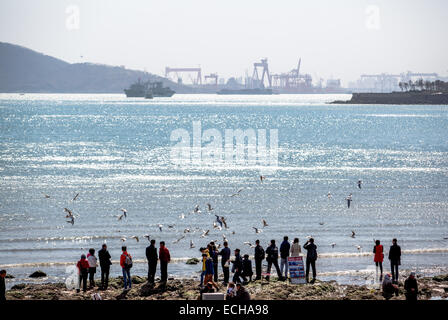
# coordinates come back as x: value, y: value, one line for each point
x: 148, y: 89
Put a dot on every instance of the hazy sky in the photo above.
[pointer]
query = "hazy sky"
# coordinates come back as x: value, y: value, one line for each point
x: 340, y: 39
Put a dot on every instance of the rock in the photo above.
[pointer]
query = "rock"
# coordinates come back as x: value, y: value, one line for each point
x: 137, y: 279
x: 19, y: 286
x: 440, y: 278
x: 38, y: 274
x: 192, y: 261
x: 9, y: 276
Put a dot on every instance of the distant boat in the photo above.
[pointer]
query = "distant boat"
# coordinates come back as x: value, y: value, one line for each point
x: 143, y: 89
x: 247, y: 91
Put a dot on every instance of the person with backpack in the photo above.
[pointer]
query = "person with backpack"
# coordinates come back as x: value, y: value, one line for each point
x: 237, y: 267
x: 92, y: 267
x: 165, y: 258
x: 105, y: 264
x: 225, y: 260
x: 378, y: 257
x: 311, y: 257
x: 395, y: 259
x: 83, y: 267
x: 126, y: 265
x: 272, y: 259
x: 259, y: 257
x: 151, y: 256
x: 284, y: 254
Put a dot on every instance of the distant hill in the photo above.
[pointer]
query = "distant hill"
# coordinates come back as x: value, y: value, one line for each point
x: 25, y: 70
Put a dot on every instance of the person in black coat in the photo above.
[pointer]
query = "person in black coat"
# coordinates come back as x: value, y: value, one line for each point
x: 225, y: 257
x: 259, y: 257
x: 241, y: 293
x: 247, y: 269
x: 395, y: 259
x: 411, y: 287
x: 237, y: 267
x: 272, y: 259
x: 104, y: 257
x: 311, y: 257
x: 151, y: 256
x: 2, y: 285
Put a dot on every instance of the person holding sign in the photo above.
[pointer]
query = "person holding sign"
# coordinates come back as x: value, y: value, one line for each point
x: 311, y: 257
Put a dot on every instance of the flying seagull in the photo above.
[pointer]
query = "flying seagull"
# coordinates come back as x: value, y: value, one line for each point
x: 349, y: 199
x: 359, y: 184
x: 333, y: 244
x: 147, y: 236
x: 209, y: 207
x: 218, y: 219
x: 257, y: 230
x: 265, y: 224
x: 176, y: 241
x: 192, y: 244
x: 75, y: 197
x: 205, y: 233
x: 237, y: 193
x: 160, y: 226
x: 262, y: 178
x: 125, y: 212
x: 136, y: 238
x: 353, y: 234
x: 46, y: 195
x: 329, y: 195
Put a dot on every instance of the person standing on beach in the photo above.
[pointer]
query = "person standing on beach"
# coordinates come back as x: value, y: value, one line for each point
x: 395, y: 259
x: 151, y: 256
x: 311, y: 257
x: 2, y: 285
x: 83, y: 267
x: 247, y: 269
x: 92, y: 267
x: 295, y: 248
x: 105, y: 264
x: 259, y: 257
x: 272, y: 259
x: 378, y: 257
x: 126, y: 265
x: 284, y: 254
x: 165, y: 258
x: 411, y: 287
x: 225, y: 258
x: 237, y: 267
x: 214, y: 254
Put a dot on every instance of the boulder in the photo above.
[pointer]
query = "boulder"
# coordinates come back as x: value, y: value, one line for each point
x: 192, y: 261
x: 38, y: 274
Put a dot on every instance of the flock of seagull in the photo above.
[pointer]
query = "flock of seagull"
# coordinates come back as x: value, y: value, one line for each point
x: 220, y: 223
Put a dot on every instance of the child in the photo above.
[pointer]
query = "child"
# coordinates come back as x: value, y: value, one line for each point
x: 83, y: 266
x: 92, y: 266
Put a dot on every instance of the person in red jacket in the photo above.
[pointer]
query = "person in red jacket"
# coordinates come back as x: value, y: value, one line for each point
x: 126, y: 265
x: 164, y: 257
x: 83, y: 267
x: 379, y: 257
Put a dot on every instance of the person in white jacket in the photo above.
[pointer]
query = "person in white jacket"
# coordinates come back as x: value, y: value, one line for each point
x: 92, y: 267
x: 295, y: 248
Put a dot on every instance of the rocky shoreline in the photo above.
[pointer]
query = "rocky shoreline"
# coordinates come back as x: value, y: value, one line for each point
x: 417, y: 97
x: 188, y: 289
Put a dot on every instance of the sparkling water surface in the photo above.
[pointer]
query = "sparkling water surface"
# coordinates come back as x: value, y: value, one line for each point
x: 115, y: 152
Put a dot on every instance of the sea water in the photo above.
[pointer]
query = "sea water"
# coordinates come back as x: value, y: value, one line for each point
x: 116, y: 153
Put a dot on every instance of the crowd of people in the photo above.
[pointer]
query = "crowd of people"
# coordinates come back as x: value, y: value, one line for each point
x: 240, y: 266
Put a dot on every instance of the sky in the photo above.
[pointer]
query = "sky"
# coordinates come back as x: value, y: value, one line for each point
x: 335, y: 39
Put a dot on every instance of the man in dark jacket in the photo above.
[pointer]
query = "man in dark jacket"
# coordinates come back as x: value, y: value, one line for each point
x: 165, y: 258
x: 247, y: 269
x: 105, y: 263
x: 151, y: 256
x: 411, y: 287
x: 237, y: 267
x: 2, y: 285
x: 259, y: 257
x: 272, y: 259
x: 241, y: 293
x: 311, y: 257
x: 395, y: 259
x: 225, y: 257
x: 214, y: 255
x: 284, y: 254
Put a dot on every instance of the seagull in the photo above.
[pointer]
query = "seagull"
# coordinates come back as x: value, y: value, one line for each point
x: 359, y: 248
x: 120, y: 216
x: 209, y: 206
x: 224, y: 238
x: 75, y: 197
x: 262, y: 178
x: 218, y: 219
x: 248, y: 243
x: 237, y: 193
x: 333, y: 244
x: 257, y: 230
x: 46, y: 195
x: 329, y: 195
x: 265, y: 224
x: 72, y: 220
x: 147, y: 237
x: 349, y: 199
x: 205, y: 233
x: 321, y: 223
x: 233, y: 232
x: 192, y: 244
x: 124, y: 212
x: 359, y: 184
x: 196, y: 209
x: 353, y: 234
x: 123, y: 239
x: 136, y: 238
x: 176, y: 241
x: 215, y: 226
x: 182, y: 216
x: 69, y: 213
x: 171, y: 226
x: 224, y: 222
x: 186, y: 230
x: 160, y: 226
